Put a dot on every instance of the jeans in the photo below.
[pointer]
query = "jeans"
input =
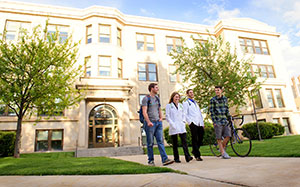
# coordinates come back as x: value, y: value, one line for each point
x: 155, y: 131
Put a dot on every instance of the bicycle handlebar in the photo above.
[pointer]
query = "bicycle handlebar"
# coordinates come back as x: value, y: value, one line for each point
x: 242, y: 118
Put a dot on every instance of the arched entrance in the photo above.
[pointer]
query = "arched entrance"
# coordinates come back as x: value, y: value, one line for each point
x: 103, y: 127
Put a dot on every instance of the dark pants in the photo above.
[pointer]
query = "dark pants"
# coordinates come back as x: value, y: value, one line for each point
x: 197, y: 139
x: 184, y: 146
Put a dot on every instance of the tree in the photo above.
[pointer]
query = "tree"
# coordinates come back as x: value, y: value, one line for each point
x: 37, y: 75
x: 210, y: 63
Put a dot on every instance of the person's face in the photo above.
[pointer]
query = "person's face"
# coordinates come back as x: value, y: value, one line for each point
x: 155, y: 89
x: 218, y: 92
x: 191, y: 94
x: 176, y: 98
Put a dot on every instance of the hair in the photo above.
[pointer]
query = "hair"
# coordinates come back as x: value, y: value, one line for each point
x: 187, y: 92
x: 172, y: 96
x: 218, y: 86
x: 152, y: 85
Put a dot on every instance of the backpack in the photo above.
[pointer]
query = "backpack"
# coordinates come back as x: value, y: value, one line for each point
x: 141, y: 116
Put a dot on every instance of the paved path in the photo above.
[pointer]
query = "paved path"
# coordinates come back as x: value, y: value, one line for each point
x: 210, y: 172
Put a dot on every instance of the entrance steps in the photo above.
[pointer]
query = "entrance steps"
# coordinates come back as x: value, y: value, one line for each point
x: 109, y: 151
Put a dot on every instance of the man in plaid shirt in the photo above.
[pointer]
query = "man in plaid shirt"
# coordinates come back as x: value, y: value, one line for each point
x: 220, y: 116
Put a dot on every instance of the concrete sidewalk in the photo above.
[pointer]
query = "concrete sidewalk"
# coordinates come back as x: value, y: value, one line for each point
x: 213, y: 171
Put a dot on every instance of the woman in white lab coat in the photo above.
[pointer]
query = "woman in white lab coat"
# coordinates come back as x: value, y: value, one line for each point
x: 175, y: 117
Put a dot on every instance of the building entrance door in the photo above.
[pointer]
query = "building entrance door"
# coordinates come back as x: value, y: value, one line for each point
x: 103, y: 127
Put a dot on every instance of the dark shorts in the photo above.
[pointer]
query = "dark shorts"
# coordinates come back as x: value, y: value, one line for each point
x: 222, y: 130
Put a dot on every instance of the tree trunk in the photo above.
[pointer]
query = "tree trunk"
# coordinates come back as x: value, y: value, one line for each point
x: 18, y: 138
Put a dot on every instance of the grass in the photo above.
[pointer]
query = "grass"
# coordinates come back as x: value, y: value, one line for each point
x: 64, y: 163
x: 282, y: 146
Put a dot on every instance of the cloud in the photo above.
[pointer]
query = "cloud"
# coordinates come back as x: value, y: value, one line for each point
x: 293, y: 15
x: 291, y: 55
x: 146, y: 12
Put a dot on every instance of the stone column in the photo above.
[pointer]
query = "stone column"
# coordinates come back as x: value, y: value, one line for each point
x: 125, y: 124
x: 82, y: 126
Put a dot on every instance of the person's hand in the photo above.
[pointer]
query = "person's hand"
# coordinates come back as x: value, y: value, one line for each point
x: 160, y: 119
x: 150, y: 124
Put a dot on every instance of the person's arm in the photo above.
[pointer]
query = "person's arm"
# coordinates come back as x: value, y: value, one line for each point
x: 160, y: 114
x: 227, y: 110
x: 212, y: 111
x: 185, y: 111
x: 168, y: 115
x: 146, y: 117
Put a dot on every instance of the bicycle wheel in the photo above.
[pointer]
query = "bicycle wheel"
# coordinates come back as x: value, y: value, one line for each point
x: 240, y: 142
x: 214, y: 148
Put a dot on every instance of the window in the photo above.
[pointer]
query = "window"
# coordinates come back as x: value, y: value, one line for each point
x: 257, y: 100
x: 275, y: 120
x: 147, y: 72
x: 120, y: 68
x: 104, y: 65
x: 145, y: 42
x: 88, y: 66
x: 254, y: 46
x: 172, y: 76
x: 270, y: 98
x: 58, y: 111
x: 49, y: 140
x: 104, y: 33
x: 141, y: 97
x: 266, y: 71
x: 6, y: 111
x: 174, y: 43
x: 89, y: 34
x: 119, y: 37
x: 287, y: 127
x: 15, y: 29
x: 261, y: 120
x: 62, y: 31
x: 279, y: 99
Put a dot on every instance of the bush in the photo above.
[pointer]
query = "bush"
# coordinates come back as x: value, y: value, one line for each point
x: 7, y: 143
x: 209, y: 135
x: 267, y: 130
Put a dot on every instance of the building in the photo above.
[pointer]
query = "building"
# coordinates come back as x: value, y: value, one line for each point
x: 296, y: 90
x: 122, y: 54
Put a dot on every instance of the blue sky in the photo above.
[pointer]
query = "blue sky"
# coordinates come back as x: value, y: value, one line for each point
x: 283, y: 14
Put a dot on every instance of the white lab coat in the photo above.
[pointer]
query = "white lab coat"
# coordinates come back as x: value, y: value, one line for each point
x: 193, y: 113
x: 175, y: 118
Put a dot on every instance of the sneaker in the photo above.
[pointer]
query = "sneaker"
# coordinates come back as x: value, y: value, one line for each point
x: 151, y: 163
x: 226, y: 156
x: 167, y: 162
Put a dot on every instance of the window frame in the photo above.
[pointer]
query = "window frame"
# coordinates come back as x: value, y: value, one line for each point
x: 57, y: 26
x: 281, y: 97
x: 244, y: 47
x: 87, y: 35
x: 147, y: 71
x: 260, y: 72
x: 177, y: 79
x: 145, y: 42
x: 110, y: 71
x: 120, y: 68
x: 272, y: 94
x: 17, y: 32
x: 104, y: 34
x: 119, y: 38
x: 49, y: 140
x: 85, y: 67
x: 174, y: 46
x: 258, y: 96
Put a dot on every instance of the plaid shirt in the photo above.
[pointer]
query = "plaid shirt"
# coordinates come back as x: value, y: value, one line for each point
x: 218, y: 109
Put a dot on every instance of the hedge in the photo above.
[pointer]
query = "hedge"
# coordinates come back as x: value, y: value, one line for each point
x: 267, y: 130
x: 209, y: 135
x: 7, y: 143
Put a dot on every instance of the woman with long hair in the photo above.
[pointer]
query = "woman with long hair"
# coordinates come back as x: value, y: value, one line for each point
x: 175, y: 118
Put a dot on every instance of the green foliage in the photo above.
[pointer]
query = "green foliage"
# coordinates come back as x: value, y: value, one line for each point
x: 213, y: 63
x: 209, y: 135
x: 267, y: 130
x: 66, y: 164
x: 7, y: 143
x: 38, y: 71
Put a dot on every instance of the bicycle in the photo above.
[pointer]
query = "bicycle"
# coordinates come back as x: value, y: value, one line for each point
x: 240, y: 141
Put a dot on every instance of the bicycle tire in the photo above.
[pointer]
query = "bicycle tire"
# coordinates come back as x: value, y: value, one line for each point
x: 214, y: 148
x: 240, y: 142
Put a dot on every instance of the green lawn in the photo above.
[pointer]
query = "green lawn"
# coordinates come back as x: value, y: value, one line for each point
x: 64, y: 163
x: 282, y: 146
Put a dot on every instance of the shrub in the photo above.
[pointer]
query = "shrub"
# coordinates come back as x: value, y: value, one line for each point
x: 267, y: 130
x: 7, y: 143
x: 209, y: 135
